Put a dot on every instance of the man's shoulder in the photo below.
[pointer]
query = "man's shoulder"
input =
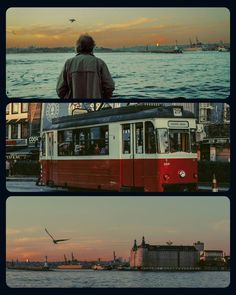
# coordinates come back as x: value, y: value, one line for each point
x: 101, y: 62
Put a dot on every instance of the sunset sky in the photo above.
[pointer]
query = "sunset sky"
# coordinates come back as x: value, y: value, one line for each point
x: 116, y: 27
x: 97, y: 226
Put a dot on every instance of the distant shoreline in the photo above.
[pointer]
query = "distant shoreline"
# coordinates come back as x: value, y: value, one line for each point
x: 141, y: 49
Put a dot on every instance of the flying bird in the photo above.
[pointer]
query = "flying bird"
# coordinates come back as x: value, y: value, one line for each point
x: 55, y: 241
x: 72, y: 20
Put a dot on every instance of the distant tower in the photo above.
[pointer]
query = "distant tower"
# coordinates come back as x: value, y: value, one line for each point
x: 72, y: 257
x: 46, y: 262
x: 143, y: 242
x: 199, y: 246
x: 114, y: 256
x: 135, y: 247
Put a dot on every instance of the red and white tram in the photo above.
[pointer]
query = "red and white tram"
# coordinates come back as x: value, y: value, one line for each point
x: 135, y: 147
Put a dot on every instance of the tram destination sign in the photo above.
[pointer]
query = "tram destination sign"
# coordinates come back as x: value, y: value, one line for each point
x: 178, y: 124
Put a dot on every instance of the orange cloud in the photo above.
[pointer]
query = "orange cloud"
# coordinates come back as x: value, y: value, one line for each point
x: 124, y: 26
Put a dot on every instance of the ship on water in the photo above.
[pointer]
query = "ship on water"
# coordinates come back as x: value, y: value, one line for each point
x: 29, y: 267
x: 176, y: 49
x: 70, y: 264
x: 198, y: 46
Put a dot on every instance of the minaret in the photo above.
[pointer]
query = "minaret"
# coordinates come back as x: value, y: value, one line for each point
x: 143, y: 242
x: 46, y: 262
x: 135, y: 247
x: 114, y: 256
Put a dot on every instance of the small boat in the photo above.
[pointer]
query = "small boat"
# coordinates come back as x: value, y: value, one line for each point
x: 97, y: 267
x: 222, y: 49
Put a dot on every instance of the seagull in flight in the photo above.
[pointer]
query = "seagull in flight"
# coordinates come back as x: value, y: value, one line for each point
x: 72, y: 20
x: 55, y: 241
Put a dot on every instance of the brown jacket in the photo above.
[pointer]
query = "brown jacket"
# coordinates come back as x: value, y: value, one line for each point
x: 85, y: 76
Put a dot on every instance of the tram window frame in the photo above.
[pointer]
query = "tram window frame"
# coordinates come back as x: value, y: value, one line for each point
x: 139, y: 138
x: 151, y: 140
x: 65, y: 143
x: 179, y: 145
x: 126, y: 143
x: 43, y: 145
x: 50, y: 144
x: 162, y: 149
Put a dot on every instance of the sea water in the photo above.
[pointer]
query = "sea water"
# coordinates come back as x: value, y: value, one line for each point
x: 116, y: 279
x: 192, y: 75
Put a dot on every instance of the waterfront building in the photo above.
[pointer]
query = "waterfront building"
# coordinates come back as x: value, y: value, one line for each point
x: 163, y: 256
x: 212, y: 255
x: 23, y: 137
x: 22, y: 130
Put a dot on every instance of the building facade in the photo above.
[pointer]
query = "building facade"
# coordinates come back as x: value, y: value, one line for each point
x: 22, y: 130
x: 146, y: 256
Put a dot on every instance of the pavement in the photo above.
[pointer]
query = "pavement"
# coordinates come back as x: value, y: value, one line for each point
x: 28, y: 184
x: 206, y: 187
x: 21, y: 178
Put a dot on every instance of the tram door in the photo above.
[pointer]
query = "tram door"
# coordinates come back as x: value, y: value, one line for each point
x: 132, y: 149
x: 50, y: 150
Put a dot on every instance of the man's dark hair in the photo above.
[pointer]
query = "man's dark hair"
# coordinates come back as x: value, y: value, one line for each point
x: 85, y: 44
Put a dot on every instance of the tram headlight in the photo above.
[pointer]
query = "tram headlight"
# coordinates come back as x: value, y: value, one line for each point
x: 182, y: 173
x: 195, y: 175
x: 166, y: 177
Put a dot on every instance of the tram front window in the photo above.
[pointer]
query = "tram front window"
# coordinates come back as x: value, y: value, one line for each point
x: 150, y: 138
x: 163, y: 146
x: 179, y: 140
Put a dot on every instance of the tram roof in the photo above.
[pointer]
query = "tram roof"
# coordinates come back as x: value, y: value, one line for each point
x: 129, y: 113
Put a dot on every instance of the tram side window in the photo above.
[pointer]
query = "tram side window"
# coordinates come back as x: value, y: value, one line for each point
x: 193, y: 141
x: 179, y: 140
x: 91, y: 141
x: 99, y: 143
x: 65, y: 143
x: 150, y: 138
x: 162, y: 136
x: 139, y: 138
x: 50, y: 144
x: 126, y: 139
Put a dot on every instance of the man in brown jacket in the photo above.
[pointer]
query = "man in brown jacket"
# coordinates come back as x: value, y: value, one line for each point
x: 85, y: 75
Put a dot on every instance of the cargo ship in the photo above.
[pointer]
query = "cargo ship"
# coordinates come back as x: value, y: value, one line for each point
x: 198, y: 46
x: 30, y: 267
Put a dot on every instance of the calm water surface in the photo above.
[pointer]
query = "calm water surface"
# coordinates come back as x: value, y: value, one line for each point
x: 136, y: 75
x: 116, y: 279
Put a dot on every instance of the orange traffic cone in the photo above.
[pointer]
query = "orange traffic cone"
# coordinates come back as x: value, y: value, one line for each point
x: 214, y: 184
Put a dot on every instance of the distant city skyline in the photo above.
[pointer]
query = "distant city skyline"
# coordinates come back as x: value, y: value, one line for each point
x: 116, y: 27
x: 97, y: 226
